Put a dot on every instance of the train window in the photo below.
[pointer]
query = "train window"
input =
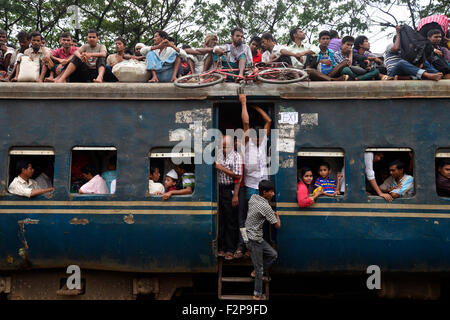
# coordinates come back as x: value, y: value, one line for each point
x: 381, y: 159
x: 178, y: 166
x: 315, y: 158
x: 87, y: 163
x: 443, y: 173
x: 42, y: 160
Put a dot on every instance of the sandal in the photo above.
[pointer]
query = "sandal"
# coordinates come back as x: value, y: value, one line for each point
x: 221, y: 254
x: 238, y: 254
x: 228, y: 256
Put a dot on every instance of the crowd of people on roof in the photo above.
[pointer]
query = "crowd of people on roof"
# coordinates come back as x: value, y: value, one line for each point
x: 334, y: 59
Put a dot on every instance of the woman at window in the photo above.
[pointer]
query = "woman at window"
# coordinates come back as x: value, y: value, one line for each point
x: 305, y: 188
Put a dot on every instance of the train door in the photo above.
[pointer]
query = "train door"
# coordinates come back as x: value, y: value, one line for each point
x: 228, y: 121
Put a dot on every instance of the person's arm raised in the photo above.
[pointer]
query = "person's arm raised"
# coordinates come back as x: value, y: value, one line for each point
x: 244, y: 114
x: 396, y: 46
x: 267, y: 119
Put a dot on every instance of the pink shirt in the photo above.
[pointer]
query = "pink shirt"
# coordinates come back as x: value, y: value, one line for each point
x: 60, y: 54
x: 302, y: 195
x: 96, y: 185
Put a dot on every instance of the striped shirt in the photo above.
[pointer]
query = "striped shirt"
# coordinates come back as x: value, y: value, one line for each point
x: 233, y: 162
x: 259, y: 210
x: 328, y: 185
x: 390, y: 58
x: 440, y: 19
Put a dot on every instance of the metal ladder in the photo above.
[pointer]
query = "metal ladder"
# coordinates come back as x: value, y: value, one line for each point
x: 233, y: 264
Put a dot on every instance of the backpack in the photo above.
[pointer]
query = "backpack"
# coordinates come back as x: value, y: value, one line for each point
x: 415, y: 48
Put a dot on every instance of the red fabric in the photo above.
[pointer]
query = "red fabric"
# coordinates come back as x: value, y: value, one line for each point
x: 302, y: 195
x: 60, y: 54
x: 438, y: 18
x: 257, y: 58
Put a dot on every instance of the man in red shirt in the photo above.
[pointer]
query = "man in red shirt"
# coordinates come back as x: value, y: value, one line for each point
x: 255, y: 46
x: 62, y: 56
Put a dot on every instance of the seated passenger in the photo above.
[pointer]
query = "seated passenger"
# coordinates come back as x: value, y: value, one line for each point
x: 154, y: 187
x: 437, y: 21
x: 369, y: 159
x: 305, y: 188
x: 163, y: 59
x: 201, y: 59
x: 437, y: 59
x: 398, y: 184
x: 89, y: 62
x: 234, y: 55
x: 274, y: 52
x: 6, y: 53
x: 37, y: 52
x: 300, y: 48
x: 114, y: 59
x: 62, y: 56
x: 402, y: 69
x: 324, y: 67
x: 362, y: 47
x: 185, y: 184
x: 328, y: 185
x: 357, y: 67
x: 335, y: 42
x: 111, y: 173
x: 43, y: 180
x: 23, y: 185
x: 137, y: 50
x: 170, y: 182
x: 24, y: 40
x: 443, y: 178
x: 255, y: 47
x: 95, y: 184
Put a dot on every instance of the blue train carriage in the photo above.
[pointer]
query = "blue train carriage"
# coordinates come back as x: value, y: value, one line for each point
x: 131, y: 243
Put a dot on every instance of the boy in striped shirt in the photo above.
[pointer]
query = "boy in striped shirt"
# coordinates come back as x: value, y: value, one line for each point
x: 329, y: 186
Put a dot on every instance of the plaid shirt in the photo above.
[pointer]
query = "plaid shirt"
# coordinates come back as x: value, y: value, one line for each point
x: 233, y: 162
x: 259, y: 210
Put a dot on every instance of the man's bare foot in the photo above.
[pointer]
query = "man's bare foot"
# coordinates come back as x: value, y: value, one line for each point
x: 153, y: 80
x: 432, y: 76
x: 173, y: 79
x: 39, y: 80
x: 14, y: 80
x: 60, y: 81
x: 49, y: 79
x: 98, y: 80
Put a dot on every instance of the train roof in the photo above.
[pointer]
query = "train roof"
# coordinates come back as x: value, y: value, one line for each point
x: 168, y: 91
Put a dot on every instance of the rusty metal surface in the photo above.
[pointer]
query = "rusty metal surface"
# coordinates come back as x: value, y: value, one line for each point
x: 167, y: 91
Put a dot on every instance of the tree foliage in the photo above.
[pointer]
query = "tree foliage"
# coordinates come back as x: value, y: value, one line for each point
x: 190, y: 21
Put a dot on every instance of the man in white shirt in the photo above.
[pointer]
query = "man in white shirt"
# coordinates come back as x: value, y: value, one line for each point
x: 300, y: 48
x: 163, y: 59
x: 369, y: 159
x: 275, y: 52
x: 95, y: 185
x: 23, y: 185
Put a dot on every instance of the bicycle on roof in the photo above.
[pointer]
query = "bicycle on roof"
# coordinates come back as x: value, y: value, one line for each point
x: 261, y: 72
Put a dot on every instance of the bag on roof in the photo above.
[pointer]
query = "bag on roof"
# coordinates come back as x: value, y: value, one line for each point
x: 415, y: 48
x: 29, y: 70
x: 131, y: 71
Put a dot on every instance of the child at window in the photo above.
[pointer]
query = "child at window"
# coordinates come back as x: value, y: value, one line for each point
x: 329, y: 186
x: 155, y: 187
x: 170, y: 181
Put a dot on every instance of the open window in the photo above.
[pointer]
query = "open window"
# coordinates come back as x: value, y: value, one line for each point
x: 179, y: 167
x: 315, y: 158
x: 442, y: 162
x: 100, y: 163
x: 42, y: 160
x: 382, y: 159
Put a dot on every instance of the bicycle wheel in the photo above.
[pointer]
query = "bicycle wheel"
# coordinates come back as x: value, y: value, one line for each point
x: 281, y: 75
x: 199, y: 80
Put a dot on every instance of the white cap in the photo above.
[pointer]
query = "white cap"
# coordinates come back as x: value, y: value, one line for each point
x: 173, y: 174
x: 139, y: 45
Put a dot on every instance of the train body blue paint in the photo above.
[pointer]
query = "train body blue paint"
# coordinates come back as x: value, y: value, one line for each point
x: 131, y: 231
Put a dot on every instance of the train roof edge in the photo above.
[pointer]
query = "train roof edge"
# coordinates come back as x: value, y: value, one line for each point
x: 168, y: 91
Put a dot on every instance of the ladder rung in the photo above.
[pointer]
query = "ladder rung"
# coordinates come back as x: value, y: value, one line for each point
x: 237, y: 279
